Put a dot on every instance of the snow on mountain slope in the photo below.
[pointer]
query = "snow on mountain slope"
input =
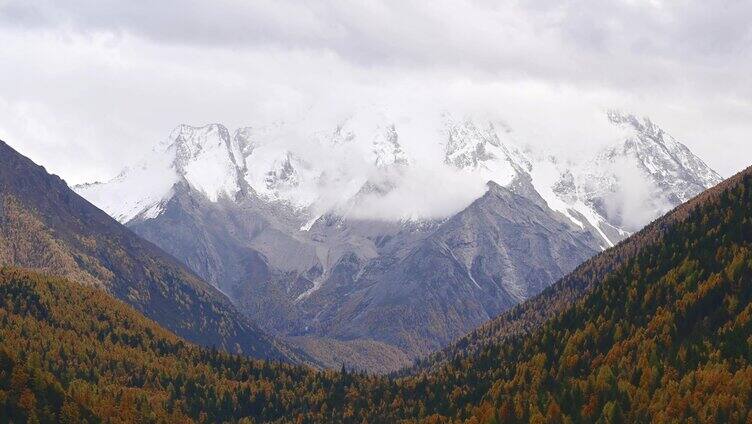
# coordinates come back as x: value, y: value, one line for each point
x: 620, y: 189
x: 479, y: 148
x: 280, y: 175
x: 137, y: 191
x: 635, y: 181
x: 671, y: 165
x: 362, y: 162
x: 204, y: 156
x: 387, y: 150
x: 261, y: 159
x: 625, y: 185
x: 555, y: 186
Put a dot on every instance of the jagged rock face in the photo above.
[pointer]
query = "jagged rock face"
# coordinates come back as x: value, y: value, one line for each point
x: 424, y: 292
x: 260, y: 235
x: 207, y: 159
x: 471, y: 147
x: 358, y: 279
x: 678, y: 173
x: 387, y: 151
x: 246, y: 248
x: 665, y: 170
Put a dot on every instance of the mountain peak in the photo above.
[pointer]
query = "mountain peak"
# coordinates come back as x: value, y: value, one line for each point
x: 470, y: 146
x: 206, y: 157
x: 493, y: 186
x: 652, y: 133
x: 642, y: 125
x: 387, y: 148
x: 70, y: 237
x: 617, y: 117
x: 283, y: 162
x: 665, y: 170
x: 659, y: 154
x: 198, y: 136
x: 190, y: 142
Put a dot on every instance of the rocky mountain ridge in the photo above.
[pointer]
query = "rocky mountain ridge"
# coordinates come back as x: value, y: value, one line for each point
x: 286, y: 236
x: 47, y: 227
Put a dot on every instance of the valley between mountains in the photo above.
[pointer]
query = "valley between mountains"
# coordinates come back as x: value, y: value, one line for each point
x: 375, y: 212
x: 330, y: 259
x: 655, y: 329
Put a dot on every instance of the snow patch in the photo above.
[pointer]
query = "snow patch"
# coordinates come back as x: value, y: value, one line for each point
x: 139, y: 190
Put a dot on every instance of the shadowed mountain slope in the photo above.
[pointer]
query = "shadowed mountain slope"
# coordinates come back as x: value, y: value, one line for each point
x: 530, y: 315
x: 46, y: 226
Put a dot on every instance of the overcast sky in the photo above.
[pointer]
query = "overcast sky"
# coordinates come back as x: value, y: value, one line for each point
x: 87, y: 86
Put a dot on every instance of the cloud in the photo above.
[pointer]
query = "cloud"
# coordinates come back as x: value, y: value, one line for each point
x: 101, y: 80
x: 541, y: 38
x: 421, y: 193
x: 633, y: 204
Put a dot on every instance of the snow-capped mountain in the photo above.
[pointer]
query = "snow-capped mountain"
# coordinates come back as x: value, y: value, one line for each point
x: 480, y: 148
x: 628, y: 184
x: 675, y: 169
x: 387, y: 150
x: 205, y: 157
x: 208, y: 159
x: 617, y: 191
x: 290, y: 220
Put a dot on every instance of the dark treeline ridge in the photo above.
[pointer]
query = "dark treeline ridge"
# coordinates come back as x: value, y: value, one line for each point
x: 664, y: 336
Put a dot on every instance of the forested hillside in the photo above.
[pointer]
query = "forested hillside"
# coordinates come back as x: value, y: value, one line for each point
x: 70, y: 353
x: 665, y: 335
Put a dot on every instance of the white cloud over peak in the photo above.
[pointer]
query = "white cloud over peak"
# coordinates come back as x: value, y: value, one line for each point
x: 87, y: 86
